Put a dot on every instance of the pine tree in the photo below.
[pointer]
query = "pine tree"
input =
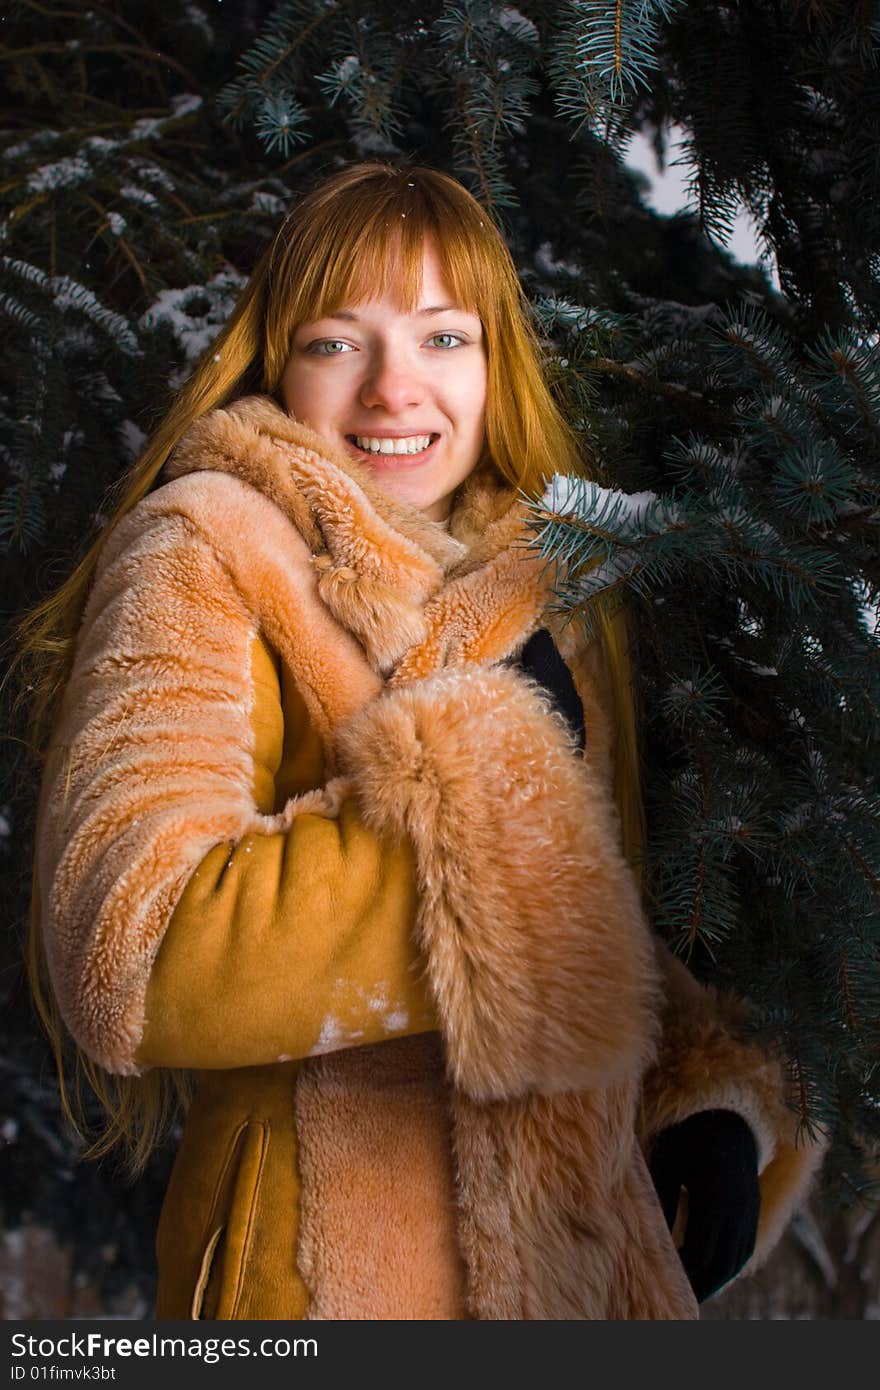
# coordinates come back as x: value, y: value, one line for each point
x: 733, y: 428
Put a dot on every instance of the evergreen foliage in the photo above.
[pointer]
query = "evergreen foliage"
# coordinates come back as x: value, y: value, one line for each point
x: 749, y: 544
x: 733, y: 429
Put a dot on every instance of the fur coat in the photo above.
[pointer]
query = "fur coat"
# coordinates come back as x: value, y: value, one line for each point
x: 307, y: 833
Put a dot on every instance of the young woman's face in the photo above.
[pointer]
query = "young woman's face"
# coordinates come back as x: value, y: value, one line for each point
x: 405, y: 394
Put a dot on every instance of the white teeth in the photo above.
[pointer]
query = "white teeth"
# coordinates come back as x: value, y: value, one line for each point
x: 415, y: 444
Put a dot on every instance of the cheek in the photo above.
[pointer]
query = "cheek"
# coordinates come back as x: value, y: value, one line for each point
x: 291, y: 391
x: 308, y: 394
x: 472, y: 397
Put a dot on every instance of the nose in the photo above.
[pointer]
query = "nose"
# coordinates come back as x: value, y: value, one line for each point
x: 392, y: 383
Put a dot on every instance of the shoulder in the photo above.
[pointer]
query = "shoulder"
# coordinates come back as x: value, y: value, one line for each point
x: 207, y: 513
x: 205, y: 562
x: 216, y: 505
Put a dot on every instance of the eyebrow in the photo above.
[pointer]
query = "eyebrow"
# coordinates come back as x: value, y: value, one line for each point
x: 349, y: 317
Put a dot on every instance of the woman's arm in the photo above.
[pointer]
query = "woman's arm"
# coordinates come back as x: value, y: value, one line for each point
x: 708, y: 1062
x: 538, y: 956
x: 186, y: 924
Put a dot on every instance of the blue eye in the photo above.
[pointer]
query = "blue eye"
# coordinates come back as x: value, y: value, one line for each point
x: 456, y: 338
x: 330, y: 347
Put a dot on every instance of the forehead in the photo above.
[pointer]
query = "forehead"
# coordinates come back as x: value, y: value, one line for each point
x: 433, y: 293
x: 404, y: 272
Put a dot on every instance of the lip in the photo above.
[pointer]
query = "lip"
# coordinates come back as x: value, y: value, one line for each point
x: 393, y: 463
x: 390, y: 434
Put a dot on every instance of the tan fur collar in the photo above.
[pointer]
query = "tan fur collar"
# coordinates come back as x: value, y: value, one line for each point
x: 411, y: 592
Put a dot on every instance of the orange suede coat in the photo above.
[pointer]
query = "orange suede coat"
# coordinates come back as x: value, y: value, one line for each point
x: 304, y: 832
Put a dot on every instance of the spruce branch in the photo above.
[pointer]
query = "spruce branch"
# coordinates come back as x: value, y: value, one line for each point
x: 152, y: 55
x: 267, y: 88
x: 604, y: 53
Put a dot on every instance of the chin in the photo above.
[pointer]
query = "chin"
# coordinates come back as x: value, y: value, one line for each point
x: 405, y: 491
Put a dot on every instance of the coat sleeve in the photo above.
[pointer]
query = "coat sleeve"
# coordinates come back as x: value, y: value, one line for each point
x: 186, y: 923
x: 708, y: 1061
x: 538, y: 956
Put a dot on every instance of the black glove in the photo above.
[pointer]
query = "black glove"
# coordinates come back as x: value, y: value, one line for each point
x: 714, y: 1156
x: 540, y: 659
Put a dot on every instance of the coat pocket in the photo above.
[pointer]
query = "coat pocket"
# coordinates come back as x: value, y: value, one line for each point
x: 230, y: 1225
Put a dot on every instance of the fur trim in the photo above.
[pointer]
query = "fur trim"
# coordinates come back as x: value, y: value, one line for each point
x: 484, y: 616
x: 538, y: 956
x: 375, y: 575
x: 707, y: 1061
x: 559, y: 1218
x: 257, y: 441
x: 375, y: 1163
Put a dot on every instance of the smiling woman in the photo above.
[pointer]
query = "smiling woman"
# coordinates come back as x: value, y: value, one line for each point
x: 338, y: 834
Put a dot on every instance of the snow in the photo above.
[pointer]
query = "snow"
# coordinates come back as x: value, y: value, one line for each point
x: 264, y: 201
x: 511, y: 20
x: 545, y: 262
x: 185, y: 103
x: 99, y: 145
x: 574, y: 317
x: 346, y: 70
x: 195, y: 328
x: 333, y: 1036
x: 139, y: 195
x: 371, y: 142
x: 39, y: 137
x: 148, y: 172
x: 65, y: 174
x: 607, y: 574
x: 70, y: 294
x: 348, y: 995
x: 31, y: 273
x: 117, y: 223
x: 199, y: 20
x: 76, y: 168
x: 147, y: 128
x: 131, y: 438
x: 395, y: 1021
x: 569, y: 496
x: 734, y: 514
x: 631, y: 515
x: 329, y: 1037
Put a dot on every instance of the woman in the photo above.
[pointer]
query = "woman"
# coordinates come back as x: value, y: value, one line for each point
x: 318, y: 828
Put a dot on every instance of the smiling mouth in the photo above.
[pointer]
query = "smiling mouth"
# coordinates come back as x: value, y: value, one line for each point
x: 407, y: 447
